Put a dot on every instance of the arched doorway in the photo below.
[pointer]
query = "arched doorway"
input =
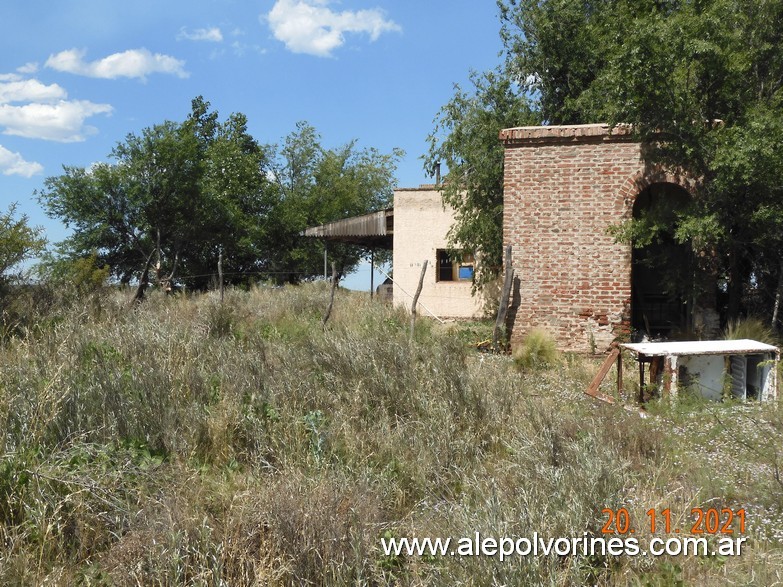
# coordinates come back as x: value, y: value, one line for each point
x: 662, y: 272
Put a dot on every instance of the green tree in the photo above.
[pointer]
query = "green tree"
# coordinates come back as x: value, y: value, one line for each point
x: 317, y: 185
x: 237, y: 198
x: 555, y: 49
x: 179, y: 197
x: 71, y: 278
x: 465, y: 140
x: 175, y: 197
x: 19, y: 242
x: 700, y: 81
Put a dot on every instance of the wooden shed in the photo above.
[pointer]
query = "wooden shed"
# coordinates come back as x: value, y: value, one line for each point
x: 744, y: 369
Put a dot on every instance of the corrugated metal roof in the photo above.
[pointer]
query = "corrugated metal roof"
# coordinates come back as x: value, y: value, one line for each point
x: 374, y: 229
x: 700, y: 347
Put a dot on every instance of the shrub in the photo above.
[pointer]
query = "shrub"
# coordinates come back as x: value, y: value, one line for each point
x: 538, y: 351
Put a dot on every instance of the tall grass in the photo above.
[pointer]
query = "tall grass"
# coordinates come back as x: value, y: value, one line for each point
x: 751, y: 328
x: 190, y: 442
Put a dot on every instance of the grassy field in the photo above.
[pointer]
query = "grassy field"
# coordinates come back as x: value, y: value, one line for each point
x: 189, y: 442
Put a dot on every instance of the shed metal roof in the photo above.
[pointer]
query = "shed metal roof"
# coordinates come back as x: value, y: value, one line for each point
x: 371, y: 230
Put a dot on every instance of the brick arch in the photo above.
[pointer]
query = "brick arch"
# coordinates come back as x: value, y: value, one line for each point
x: 642, y: 179
x: 651, y: 309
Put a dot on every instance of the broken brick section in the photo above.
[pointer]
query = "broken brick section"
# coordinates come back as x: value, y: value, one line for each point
x: 564, y: 186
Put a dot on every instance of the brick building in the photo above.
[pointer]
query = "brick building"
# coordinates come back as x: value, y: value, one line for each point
x: 564, y: 186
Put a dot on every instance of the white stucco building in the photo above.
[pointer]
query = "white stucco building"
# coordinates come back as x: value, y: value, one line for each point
x: 421, y: 224
x: 416, y: 230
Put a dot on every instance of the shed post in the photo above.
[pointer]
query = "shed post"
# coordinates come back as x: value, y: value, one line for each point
x: 670, y: 376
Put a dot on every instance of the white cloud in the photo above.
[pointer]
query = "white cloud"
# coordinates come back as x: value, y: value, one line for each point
x: 32, y: 109
x: 30, y: 67
x: 14, y: 164
x: 134, y: 63
x: 310, y: 26
x: 212, y: 35
x: 29, y: 90
x: 63, y: 121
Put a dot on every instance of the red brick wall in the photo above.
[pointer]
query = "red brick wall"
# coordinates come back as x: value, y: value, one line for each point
x: 563, y: 187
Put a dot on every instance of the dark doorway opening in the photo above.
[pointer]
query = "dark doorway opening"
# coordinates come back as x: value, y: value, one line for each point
x: 662, y: 272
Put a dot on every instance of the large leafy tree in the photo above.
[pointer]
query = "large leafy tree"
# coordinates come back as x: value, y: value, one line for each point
x: 555, y: 49
x: 316, y: 185
x: 699, y: 81
x: 19, y: 242
x: 176, y: 197
x: 180, y: 197
x: 237, y: 197
x: 465, y: 141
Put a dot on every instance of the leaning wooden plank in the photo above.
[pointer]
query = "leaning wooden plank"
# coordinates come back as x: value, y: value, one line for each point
x: 592, y: 389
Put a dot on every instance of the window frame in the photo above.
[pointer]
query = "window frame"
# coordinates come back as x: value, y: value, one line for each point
x: 449, y: 266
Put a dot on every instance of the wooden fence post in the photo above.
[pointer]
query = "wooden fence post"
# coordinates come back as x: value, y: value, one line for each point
x: 331, y: 295
x: 416, y: 298
x: 220, y: 272
x: 508, y: 281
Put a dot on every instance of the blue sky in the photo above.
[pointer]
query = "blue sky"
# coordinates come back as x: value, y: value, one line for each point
x: 76, y: 76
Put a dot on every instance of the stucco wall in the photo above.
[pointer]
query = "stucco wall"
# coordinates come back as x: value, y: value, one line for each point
x: 563, y: 187
x: 420, y: 227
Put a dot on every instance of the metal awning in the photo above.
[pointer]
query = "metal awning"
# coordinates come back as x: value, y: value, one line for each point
x: 374, y: 230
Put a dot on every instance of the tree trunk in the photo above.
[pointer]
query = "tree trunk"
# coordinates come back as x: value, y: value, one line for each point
x: 144, y: 280
x: 220, y: 273
x: 158, y: 264
x: 166, y: 284
x: 508, y: 280
x: 778, y: 295
x: 331, y: 295
x: 734, y: 286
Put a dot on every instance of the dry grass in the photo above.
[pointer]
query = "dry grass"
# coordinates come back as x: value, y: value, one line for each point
x: 538, y: 351
x: 190, y: 442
